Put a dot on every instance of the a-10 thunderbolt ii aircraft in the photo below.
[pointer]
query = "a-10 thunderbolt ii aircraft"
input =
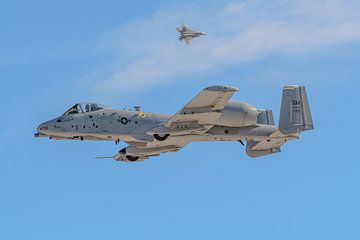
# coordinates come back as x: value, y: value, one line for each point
x: 210, y: 116
x: 187, y: 34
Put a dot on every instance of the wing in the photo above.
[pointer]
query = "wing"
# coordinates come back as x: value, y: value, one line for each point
x: 184, y: 28
x: 139, y: 151
x: 187, y: 29
x: 188, y: 40
x: 198, y: 115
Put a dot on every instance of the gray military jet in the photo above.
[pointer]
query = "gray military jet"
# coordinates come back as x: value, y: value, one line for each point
x: 188, y: 34
x: 210, y: 116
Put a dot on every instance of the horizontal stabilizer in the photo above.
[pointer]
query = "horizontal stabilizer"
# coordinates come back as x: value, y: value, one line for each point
x: 256, y: 149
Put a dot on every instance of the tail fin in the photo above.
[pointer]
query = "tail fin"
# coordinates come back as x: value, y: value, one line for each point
x: 295, y: 113
x: 265, y: 116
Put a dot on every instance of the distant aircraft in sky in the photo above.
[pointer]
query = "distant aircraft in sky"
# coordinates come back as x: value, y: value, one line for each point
x: 187, y: 34
x: 209, y: 116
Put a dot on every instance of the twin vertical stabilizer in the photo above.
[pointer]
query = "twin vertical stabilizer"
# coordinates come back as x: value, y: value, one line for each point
x: 295, y: 113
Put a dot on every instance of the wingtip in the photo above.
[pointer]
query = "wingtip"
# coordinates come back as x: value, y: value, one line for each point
x: 222, y: 88
x: 292, y: 87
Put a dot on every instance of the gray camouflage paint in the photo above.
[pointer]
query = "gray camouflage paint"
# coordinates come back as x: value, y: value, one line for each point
x: 208, y: 117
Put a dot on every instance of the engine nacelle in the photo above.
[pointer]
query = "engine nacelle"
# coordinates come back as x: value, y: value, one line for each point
x: 238, y: 114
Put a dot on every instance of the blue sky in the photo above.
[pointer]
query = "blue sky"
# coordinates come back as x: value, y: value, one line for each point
x: 53, y: 54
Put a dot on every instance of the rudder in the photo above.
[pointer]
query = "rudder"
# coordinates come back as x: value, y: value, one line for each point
x: 295, y: 113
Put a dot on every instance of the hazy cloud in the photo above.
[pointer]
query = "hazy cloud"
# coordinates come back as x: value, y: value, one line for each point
x: 148, y: 51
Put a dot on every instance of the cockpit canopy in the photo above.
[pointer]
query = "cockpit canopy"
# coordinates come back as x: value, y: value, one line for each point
x: 84, y: 107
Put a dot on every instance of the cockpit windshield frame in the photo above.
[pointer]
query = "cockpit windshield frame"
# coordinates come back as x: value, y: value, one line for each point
x: 84, y: 108
x: 74, y: 110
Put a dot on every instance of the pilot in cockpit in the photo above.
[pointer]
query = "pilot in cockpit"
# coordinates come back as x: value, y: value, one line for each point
x: 94, y: 107
x: 73, y: 110
x: 89, y: 107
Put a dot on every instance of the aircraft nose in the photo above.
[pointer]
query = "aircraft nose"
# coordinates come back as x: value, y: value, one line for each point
x: 42, y: 128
